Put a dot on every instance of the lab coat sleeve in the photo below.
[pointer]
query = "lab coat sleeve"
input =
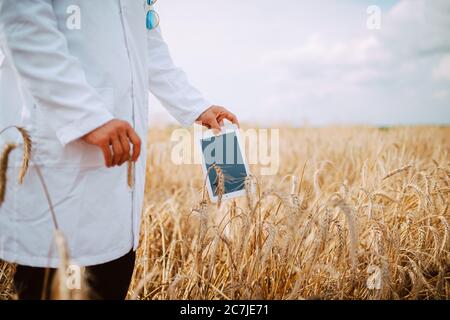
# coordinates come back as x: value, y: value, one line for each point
x: 169, y: 83
x: 39, y: 54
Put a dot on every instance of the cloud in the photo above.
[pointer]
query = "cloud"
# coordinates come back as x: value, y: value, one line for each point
x: 411, y: 30
x: 292, y: 61
x: 333, y: 65
x: 403, y: 64
x: 440, y: 94
x: 442, y: 70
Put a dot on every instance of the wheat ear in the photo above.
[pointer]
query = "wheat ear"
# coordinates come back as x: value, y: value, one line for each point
x: 27, y: 146
x: 3, y: 167
x: 220, y: 188
x: 390, y: 174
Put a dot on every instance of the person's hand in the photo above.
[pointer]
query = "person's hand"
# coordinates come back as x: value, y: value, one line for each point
x: 114, y: 139
x: 213, y: 117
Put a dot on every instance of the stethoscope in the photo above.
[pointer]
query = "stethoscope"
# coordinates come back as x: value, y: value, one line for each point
x: 152, y: 18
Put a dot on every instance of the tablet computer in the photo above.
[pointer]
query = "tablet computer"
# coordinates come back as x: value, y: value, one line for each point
x: 224, y: 150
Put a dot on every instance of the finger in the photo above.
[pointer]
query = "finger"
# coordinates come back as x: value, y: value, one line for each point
x: 107, y: 155
x: 220, y: 117
x: 125, y: 143
x: 212, y: 122
x: 136, y: 141
x: 230, y: 116
x: 117, y: 151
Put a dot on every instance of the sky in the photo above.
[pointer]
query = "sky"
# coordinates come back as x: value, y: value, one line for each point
x: 314, y: 62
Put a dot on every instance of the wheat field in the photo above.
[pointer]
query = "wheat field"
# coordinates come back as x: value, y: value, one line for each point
x: 353, y: 213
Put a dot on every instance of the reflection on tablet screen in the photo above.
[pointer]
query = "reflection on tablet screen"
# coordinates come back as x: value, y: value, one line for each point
x: 223, y: 150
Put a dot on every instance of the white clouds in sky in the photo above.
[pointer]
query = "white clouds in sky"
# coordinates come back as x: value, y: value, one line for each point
x: 316, y: 61
x: 442, y: 70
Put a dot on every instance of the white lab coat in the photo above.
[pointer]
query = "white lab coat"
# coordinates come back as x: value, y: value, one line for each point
x: 61, y: 83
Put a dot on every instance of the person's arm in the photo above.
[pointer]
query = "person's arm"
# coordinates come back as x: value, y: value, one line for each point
x: 39, y: 53
x: 170, y: 85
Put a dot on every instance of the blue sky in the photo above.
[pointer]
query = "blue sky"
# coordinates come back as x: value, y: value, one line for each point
x: 316, y: 62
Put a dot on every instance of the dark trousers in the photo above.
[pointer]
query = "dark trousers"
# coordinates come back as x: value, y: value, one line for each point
x: 107, y: 281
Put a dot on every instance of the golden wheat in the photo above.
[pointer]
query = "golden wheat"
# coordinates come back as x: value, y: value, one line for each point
x: 27, y: 145
x: 4, y: 157
x: 364, y: 204
x: 366, y: 217
x: 9, y: 147
x: 130, y: 173
x: 220, y: 187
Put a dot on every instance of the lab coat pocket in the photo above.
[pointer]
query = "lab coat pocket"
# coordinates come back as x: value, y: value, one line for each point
x: 43, y: 129
x: 48, y: 151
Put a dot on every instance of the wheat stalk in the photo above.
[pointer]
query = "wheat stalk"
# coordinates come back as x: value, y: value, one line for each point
x: 130, y: 175
x: 248, y: 184
x: 60, y: 290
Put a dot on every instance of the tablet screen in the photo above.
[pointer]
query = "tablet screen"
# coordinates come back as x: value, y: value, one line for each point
x: 224, y: 151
